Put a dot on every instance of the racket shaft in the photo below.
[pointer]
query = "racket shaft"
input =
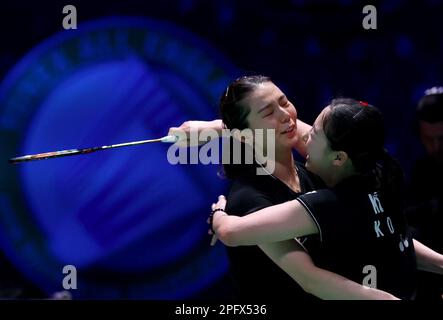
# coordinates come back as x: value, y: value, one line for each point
x: 72, y: 152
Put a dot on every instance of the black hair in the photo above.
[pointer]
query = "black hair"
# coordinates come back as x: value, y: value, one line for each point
x: 430, y: 106
x: 357, y: 128
x: 234, y: 113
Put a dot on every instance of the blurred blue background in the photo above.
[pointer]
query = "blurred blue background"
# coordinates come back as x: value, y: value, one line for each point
x: 132, y: 224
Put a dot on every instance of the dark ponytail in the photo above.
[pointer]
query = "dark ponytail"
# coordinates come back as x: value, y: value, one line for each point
x: 390, y: 179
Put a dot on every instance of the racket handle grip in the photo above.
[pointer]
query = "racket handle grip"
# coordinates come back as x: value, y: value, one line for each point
x: 169, y: 139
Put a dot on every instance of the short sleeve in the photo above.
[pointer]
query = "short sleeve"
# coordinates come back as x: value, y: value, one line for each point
x: 322, y: 206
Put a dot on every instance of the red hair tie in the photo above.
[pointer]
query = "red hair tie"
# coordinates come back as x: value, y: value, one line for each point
x: 364, y: 103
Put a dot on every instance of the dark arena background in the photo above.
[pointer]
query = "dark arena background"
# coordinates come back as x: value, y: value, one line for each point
x: 130, y: 224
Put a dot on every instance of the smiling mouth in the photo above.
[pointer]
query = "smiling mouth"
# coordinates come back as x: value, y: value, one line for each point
x: 289, y: 129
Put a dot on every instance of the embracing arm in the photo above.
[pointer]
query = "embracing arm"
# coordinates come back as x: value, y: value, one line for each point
x: 428, y: 259
x: 276, y: 223
x: 291, y: 257
x: 183, y: 132
x: 302, y: 134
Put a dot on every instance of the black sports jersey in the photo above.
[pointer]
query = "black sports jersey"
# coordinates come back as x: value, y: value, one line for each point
x: 362, y: 233
x: 255, y: 274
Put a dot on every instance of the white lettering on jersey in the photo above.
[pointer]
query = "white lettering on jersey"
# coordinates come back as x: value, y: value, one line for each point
x: 403, y: 243
x: 377, y: 229
x: 390, y: 225
x: 376, y: 204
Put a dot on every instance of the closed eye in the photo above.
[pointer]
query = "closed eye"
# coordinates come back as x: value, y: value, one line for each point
x: 267, y: 115
x: 283, y: 100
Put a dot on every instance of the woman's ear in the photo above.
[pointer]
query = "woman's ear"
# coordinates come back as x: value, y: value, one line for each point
x: 340, y: 158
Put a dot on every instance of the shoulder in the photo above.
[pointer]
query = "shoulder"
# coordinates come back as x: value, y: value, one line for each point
x: 248, y: 195
x: 324, y: 208
x: 318, y: 198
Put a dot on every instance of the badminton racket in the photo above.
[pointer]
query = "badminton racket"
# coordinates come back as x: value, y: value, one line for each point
x: 73, y: 152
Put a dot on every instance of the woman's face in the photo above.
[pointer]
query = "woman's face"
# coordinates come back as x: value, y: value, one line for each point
x: 271, y: 109
x: 320, y: 157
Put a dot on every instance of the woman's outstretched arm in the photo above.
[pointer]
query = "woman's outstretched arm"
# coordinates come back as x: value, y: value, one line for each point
x: 184, y: 133
x: 428, y: 259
